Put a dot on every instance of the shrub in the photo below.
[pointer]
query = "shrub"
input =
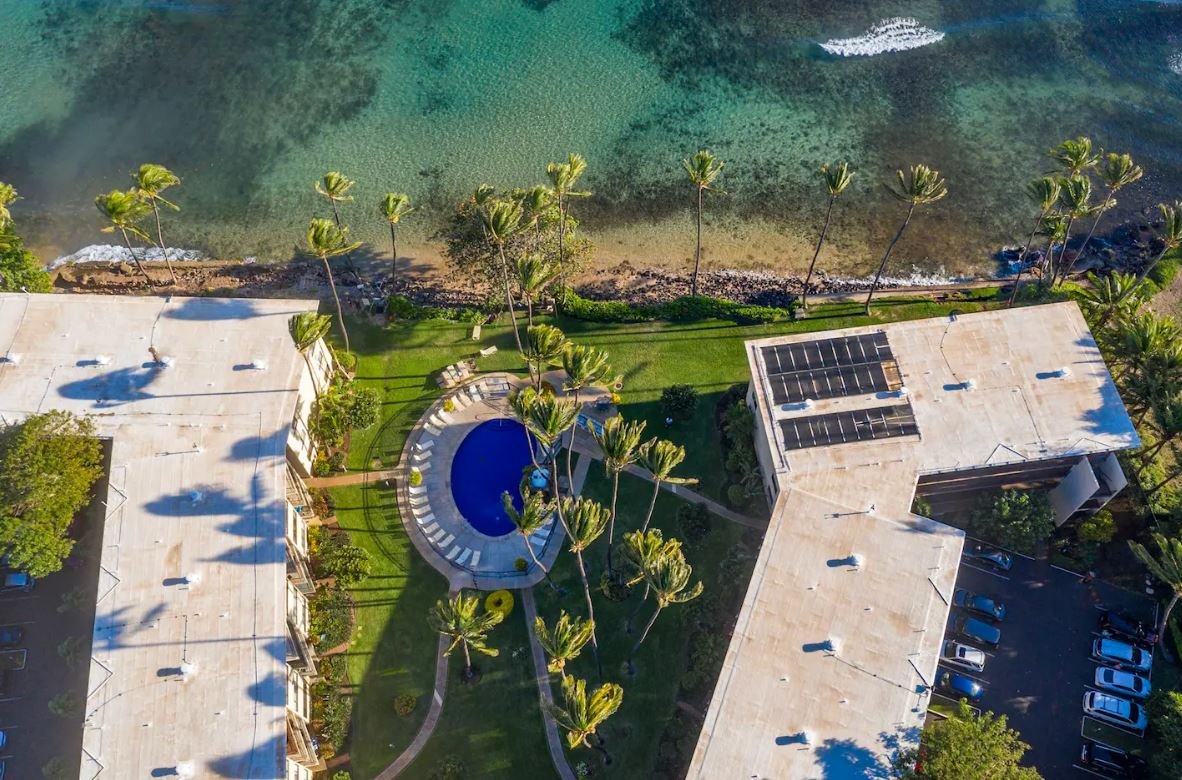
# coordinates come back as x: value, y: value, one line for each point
x: 1164, y: 272
x: 399, y: 307
x: 20, y: 269
x: 1165, y: 729
x: 336, y: 714
x: 520, y: 564
x: 404, y: 704
x: 694, y: 520
x: 416, y: 478
x: 582, y: 769
x: 707, y: 655
x: 72, y: 649
x: 342, y: 559
x: 321, y: 467
x: 347, y: 360
x: 736, y: 496
x: 921, y: 506
x: 1099, y: 528
x: 329, y: 617
x: 333, y: 669
x: 1017, y: 519
x: 449, y: 405
x: 450, y: 768
x: 363, y: 407
x: 65, y: 704
x: 679, y: 401
x: 499, y: 601
x: 56, y: 768
x: 612, y: 588
x: 342, y: 775
x: 683, y: 309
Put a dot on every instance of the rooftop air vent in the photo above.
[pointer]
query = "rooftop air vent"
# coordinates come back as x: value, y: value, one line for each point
x: 258, y: 364
x: 807, y: 737
x: 902, y: 391
x: 102, y: 360
x: 969, y: 384
x: 834, y: 645
x: 188, y: 671
x: 857, y: 560
x: 1063, y: 372
x: 193, y: 578
x: 12, y: 358
x: 186, y: 769
x: 167, y: 361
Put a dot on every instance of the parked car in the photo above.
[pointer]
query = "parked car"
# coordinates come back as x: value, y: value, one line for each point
x: 1112, y: 760
x: 977, y: 631
x: 1122, y: 654
x: 963, y: 655
x: 989, y: 556
x: 3, y: 739
x: 16, y: 581
x: 1114, y: 709
x: 982, y: 605
x: 11, y: 636
x: 1114, y: 623
x: 959, y: 686
x: 1124, y: 683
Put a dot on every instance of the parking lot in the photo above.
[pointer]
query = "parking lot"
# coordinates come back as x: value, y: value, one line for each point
x: 1042, y: 668
x: 35, y: 735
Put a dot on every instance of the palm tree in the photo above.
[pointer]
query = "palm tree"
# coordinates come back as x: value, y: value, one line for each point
x: 8, y: 195
x: 583, y: 714
x: 565, y: 642
x: 1108, y: 295
x: 123, y: 211
x: 150, y: 181
x: 535, y: 203
x: 1140, y: 336
x: 641, y: 550
x: 584, y: 366
x: 1117, y: 172
x: 394, y: 206
x: 1054, y: 227
x: 1170, y: 234
x: 669, y: 577
x: 335, y: 186
x: 1044, y: 191
x: 326, y: 240
x: 547, y: 417
x: 659, y: 457
x: 620, y: 442
x: 502, y: 219
x: 563, y: 178
x: 1167, y: 568
x: 702, y: 169
x: 1075, y: 156
x: 585, y: 522
x: 307, y: 328
x: 534, y: 274
x: 460, y: 619
x: 1075, y: 194
x: 544, y: 346
x: 535, y: 512
x: 837, y: 177
x: 922, y: 187
x: 1167, y: 425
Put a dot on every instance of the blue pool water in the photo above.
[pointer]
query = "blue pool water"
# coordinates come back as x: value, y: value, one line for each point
x: 489, y: 462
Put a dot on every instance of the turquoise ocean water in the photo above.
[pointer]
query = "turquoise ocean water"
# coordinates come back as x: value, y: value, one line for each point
x: 250, y: 101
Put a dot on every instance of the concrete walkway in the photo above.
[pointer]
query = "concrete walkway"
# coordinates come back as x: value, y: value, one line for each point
x: 351, y: 478
x: 428, y: 728
x: 545, y: 695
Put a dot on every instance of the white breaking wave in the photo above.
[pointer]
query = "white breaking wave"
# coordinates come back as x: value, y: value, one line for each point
x: 897, y: 34
x: 1175, y: 63
x: 107, y: 253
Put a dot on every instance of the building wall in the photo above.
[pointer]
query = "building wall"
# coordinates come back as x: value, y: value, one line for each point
x: 299, y: 443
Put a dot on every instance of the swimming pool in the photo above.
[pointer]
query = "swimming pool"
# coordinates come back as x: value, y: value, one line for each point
x: 488, y: 462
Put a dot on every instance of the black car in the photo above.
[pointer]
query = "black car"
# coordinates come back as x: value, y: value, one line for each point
x: 981, y: 605
x: 11, y: 636
x: 988, y: 556
x: 1112, y: 760
x: 1112, y: 622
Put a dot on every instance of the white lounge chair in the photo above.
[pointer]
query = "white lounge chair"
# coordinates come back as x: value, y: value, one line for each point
x: 475, y: 558
x: 447, y: 540
x: 464, y: 556
x: 424, y: 444
x: 430, y: 528
x: 442, y: 532
x: 432, y: 429
x: 488, y: 351
x: 427, y: 519
x: 417, y: 490
x: 453, y: 552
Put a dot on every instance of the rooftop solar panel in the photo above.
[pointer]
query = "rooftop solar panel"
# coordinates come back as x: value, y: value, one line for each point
x: 831, y: 382
x: 827, y: 353
x: 824, y: 430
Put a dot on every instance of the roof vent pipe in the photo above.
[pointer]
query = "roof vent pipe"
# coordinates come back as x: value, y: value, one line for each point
x: 193, y: 578
x: 12, y: 358
x: 186, y: 769
x: 834, y: 644
x: 807, y: 737
x: 1063, y: 372
x: 969, y: 384
x: 188, y: 670
x: 102, y: 360
x: 258, y: 364
x: 857, y: 560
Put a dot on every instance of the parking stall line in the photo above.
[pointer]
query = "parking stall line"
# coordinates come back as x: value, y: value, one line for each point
x: 1090, y: 771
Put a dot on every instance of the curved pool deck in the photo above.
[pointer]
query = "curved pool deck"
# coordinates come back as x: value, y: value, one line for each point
x: 437, y: 527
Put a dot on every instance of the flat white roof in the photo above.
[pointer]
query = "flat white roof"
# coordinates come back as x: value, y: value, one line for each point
x: 839, y: 634
x: 197, y: 487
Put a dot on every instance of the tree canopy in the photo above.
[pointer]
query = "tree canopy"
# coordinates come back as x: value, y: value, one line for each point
x: 1165, y: 721
x: 968, y: 747
x: 48, y: 464
x: 1017, y: 519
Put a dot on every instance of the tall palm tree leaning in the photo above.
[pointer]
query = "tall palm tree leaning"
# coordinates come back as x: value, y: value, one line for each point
x: 460, y: 619
x: 1170, y: 234
x: 620, y: 442
x: 563, y: 178
x: 703, y: 168
x: 836, y: 177
x: 585, y: 522
x: 584, y: 366
x: 641, y: 550
x: 535, y: 512
x: 502, y: 219
x: 659, y: 457
x: 1054, y: 227
x: 394, y: 206
x: 123, y: 211
x: 307, y: 328
x: 564, y: 643
x: 921, y: 187
x: 669, y: 577
x: 335, y: 186
x: 1167, y: 568
x: 150, y: 181
x: 8, y: 195
x: 1075, y: 195
x: 326, y: 240
x: 1118, y: 171
x: 1044, y: 191
x: 581, y: 714
x: 534, y: 273
x: 544, y: 347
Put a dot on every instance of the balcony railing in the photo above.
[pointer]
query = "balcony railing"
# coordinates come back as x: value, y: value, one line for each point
x: 301, y: 748
x: 298, y: 573
x: 301, y: 656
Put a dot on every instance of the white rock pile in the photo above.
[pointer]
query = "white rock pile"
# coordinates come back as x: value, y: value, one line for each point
x: 896, y: 34
x: 107, y: 253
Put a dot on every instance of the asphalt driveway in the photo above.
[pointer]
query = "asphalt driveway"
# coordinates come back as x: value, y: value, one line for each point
x: 1040, y: 671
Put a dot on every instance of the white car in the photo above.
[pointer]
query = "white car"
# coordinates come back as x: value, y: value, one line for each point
x: 963, y: 656
x: 1124, y: 683
x: 1114, y: 709
x: 1122, y: 654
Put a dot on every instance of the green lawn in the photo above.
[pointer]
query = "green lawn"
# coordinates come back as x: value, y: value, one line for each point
x: 494, y: 727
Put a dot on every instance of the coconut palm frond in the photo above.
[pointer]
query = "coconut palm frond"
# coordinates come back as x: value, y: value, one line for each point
x: 920, y: 186
x: 703, y: 168
x: 1075, y: 155
x: 581, y: 715
x: 564, y: 643
x: 837, y: 177
x: 394, y: 206
x: 586, y: 520
x: 335, y: 186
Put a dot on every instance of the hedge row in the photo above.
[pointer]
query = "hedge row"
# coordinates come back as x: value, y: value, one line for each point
x: 684, y: 309
x: 399, y: 307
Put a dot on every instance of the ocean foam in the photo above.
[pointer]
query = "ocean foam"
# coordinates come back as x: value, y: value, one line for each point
x: 896, y: 34
x: 1175, y: 63
x: 107, y: 253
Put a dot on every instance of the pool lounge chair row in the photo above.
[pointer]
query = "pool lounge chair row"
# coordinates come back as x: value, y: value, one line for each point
x: 437, y: 534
